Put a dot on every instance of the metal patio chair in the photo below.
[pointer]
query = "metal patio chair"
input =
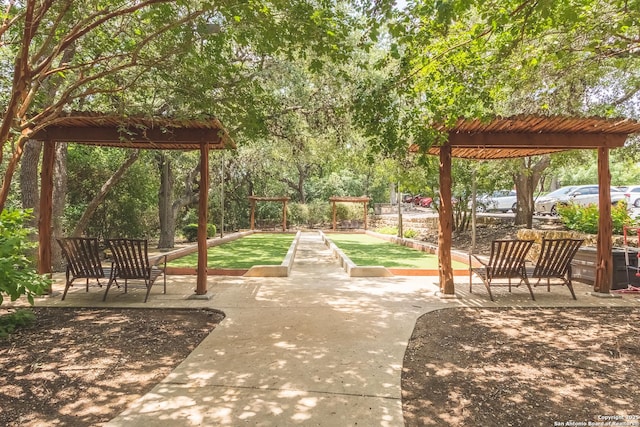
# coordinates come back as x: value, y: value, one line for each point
x: 506, y: 262
x: 554, y: 263
x: 82, y: 255
x: 131, y: 262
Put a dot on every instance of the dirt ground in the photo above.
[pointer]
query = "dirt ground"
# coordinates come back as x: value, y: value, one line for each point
x: 82, y: 367
x: 523, y: 367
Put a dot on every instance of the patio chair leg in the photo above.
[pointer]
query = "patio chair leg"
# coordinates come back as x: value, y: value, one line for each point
x: 570, y: 286
x: 488, y: 286
x: 526, y: 282
x: 104, y: 298
x: 148, y: 284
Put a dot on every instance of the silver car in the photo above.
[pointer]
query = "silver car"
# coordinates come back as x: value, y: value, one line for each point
x: 501, y: 200
x: 582, y: 195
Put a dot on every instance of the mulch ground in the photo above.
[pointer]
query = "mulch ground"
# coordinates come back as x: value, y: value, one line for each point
x: 82, y: 367
x: 523, y: 367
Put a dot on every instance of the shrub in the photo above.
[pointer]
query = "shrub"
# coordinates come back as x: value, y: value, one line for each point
x: 585, y: 218
x: 18, y: 274
x: 298, y: 213
x: 410, y: 233
x: 190, y: 231
x: 319, y: 212
x: 10, y: 322
x: 388, y: 230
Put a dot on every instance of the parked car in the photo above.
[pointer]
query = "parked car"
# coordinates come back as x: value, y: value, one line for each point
x: 426, y: 202
x: 632, y: 193
x: 407, y: 198
x: 501, y: 200
x: 582, y: 195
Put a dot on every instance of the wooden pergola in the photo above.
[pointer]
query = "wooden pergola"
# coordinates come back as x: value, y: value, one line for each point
x: 504, y: 138
x: 128, y: 132
x: 254, y: 199
x: 335, y: 199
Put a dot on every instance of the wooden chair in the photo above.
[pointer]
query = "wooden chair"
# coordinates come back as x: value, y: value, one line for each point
x: 507, y: 261
x: 131, y: 262
x: 82, y: 255
x: 554, y: 262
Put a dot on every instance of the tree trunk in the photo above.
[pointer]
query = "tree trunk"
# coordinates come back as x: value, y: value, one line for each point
x: 29, y: 188
x: 83, y: 222
x: 526, y: 180
x: 59, y: 198
x: 169, y: 211
x: 165, y: 208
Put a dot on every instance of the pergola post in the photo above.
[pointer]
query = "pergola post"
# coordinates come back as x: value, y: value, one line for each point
x: 604, y: 249
x: 364, y: 207
x: 445, y: 223
x: 333, y: 214
x: 46, y: 207
x: 284, y: 215
x: 252, y: 202
x: 201, y: 284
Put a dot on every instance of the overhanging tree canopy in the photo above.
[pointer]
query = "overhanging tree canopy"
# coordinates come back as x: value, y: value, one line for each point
x: 129, y: 132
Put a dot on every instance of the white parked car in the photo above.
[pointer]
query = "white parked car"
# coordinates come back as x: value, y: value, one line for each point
x: 632, y: 193
x: 582, y: 195
x: 501, y: 200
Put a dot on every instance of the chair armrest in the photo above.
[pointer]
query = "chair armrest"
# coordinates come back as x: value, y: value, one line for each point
x: 156, y: 260
x: 478, y: 260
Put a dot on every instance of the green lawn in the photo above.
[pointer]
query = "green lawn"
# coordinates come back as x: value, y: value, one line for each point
x: 255, y: 249
x: 366, y: 250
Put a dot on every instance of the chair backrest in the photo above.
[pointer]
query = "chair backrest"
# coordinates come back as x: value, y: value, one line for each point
x: 507, y: 257
x: 83, y: 256
x: 130, y: 258
x: 555, y: 257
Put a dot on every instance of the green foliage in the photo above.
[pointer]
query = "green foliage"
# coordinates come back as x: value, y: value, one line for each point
x: 190, y: 231
x: 129, y: 209
x: 12, y: 321
x: 585, y: 218
x: 388, y: 230
x: 271, y: 211
x: 18, y: 275
x: 410, y: 233
x: 584, y: 170
x: 298, y: 213
x: 319, y: 213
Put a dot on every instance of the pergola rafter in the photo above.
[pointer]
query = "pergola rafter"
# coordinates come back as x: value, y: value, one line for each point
x: 129, y: 132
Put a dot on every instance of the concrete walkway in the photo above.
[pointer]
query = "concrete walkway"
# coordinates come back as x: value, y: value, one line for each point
x: 317, y: 348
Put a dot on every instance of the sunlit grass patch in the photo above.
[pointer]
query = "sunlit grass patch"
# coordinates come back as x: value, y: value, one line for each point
x: 255, y: 249
x: 366, y: 250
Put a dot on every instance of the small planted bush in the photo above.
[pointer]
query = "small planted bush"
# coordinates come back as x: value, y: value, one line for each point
x: 410, y: 233
x: 388, y: 230
x: 585, y: 218
x: 190, y: 231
